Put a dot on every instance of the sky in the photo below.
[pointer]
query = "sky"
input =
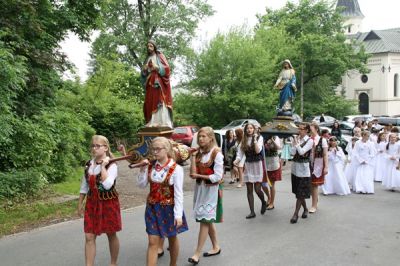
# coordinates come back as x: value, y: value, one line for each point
x: 382, y: 14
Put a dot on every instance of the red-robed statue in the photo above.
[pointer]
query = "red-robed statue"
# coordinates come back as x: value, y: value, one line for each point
x: 155, y: 79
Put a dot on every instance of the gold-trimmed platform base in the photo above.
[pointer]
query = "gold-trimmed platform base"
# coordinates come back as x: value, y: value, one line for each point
x: 282, y: 126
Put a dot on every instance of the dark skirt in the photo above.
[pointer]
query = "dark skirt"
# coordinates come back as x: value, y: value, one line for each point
x: 301, y: 186
x: 160, y: 221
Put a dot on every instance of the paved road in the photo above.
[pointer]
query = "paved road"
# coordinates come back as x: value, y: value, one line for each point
x: 350, y: 230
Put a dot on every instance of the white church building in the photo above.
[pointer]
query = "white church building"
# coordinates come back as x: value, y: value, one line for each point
x: 377, y: 92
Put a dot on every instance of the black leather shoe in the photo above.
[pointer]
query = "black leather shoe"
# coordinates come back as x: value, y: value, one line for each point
x: 305, y: 214
x: 206, y: 254
x: 161, y: 254
x: 294, y: 219
x: 263, y: 207
x: 251, y: 215
x: 194, y: 262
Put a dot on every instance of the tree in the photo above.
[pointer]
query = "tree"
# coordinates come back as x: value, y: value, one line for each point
x: 126, y: 27
x: 315, y: 40
x: 39, y: 141
x: 33, y: 30
x: 232, y: 75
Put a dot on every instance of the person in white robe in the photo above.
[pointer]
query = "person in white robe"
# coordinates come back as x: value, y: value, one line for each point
x: 364, y: 153
x: 335, y: 180
x: 380, y: 158
x: 391, y: 179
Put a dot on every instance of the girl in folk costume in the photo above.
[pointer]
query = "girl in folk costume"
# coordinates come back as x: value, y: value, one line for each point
x: 301, y: 175
x: 274, y: 169
x: 335, y: 180
x: 238, y: 169
x: 364, y: 152
x: 380, y: 166
x: 251, y: 147
x: 207, y: 169
x: 319, y: 164
x: 102, y: 211
x: 392, y: 178
x: 164, y: 213
x: 229, y: 152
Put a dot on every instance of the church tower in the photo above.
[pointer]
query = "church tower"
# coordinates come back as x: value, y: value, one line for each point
x: 353, y: 16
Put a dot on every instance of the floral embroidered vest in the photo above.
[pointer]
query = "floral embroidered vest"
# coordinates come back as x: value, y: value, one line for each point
x: 96, y: 189
x: 162, y: 193
x: 206, y: 168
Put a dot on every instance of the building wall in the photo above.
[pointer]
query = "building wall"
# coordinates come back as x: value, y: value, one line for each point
x: 380, y: 84
x: 355, y: 25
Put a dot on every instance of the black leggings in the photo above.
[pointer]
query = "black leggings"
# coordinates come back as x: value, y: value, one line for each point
x: 250, y: 196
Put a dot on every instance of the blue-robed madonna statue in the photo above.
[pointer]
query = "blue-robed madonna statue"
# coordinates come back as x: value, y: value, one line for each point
x: 286, y: 83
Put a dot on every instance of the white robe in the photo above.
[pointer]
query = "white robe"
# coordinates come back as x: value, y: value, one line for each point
x: 335, y: 180
x: 392, y: 178
x: 350, y: 169
x: 380, y: 159
x: 364, y: 153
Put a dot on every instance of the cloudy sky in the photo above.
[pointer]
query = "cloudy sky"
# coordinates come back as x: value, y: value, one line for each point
x: 382, y: 14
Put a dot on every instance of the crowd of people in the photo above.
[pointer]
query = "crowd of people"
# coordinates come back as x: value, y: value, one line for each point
x: 317, y: 161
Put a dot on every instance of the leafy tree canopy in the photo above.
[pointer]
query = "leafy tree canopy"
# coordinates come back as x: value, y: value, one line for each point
x: 128, y: 25
x: 33, y: 30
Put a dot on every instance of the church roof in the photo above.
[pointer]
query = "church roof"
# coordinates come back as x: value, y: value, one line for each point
x: 351, y: 8
x: 380, y: 41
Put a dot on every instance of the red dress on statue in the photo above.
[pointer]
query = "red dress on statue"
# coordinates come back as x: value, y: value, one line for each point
x: 158, y: 87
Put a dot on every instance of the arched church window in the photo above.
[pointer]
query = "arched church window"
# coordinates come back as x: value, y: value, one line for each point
x: 396, y: 85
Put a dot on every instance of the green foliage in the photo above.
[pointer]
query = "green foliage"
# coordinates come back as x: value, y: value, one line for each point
x: 119, y: 79
x: 21, y: 183
x: 319, y: 97
x: 314, y: 33
x: 311, y: 35
x: 113, y: 97
x: 72, y: 183
x: 53, y: 142
x: 20, y: 216
x: 32, y: 30
x: 232, y: 75
x: 128, y: 25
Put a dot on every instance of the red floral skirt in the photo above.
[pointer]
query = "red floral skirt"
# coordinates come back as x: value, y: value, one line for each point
x: 317, y: 181
x: 102, y: 216
x: 275, y: 175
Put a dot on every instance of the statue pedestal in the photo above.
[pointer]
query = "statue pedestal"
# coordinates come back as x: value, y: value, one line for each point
x: 281, y: 126
x: 141, y: 150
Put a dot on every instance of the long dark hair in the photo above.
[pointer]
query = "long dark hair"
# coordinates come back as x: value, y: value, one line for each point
x: 227, y: 134
x: 239, y: 134
x: 244, y: 145
x: 379, y: 137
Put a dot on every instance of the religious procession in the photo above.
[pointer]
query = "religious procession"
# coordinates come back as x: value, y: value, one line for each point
x: 247, y: 193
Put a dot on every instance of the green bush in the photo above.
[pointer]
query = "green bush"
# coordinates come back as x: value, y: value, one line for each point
x: 21, y: 183
x: 71, y: 135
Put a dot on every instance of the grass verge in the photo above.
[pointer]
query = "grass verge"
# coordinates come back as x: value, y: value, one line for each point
x: 43, y: 210
x: 25, y: 216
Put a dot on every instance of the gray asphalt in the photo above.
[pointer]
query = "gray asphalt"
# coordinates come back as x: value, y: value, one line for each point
x: 346, y: 230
